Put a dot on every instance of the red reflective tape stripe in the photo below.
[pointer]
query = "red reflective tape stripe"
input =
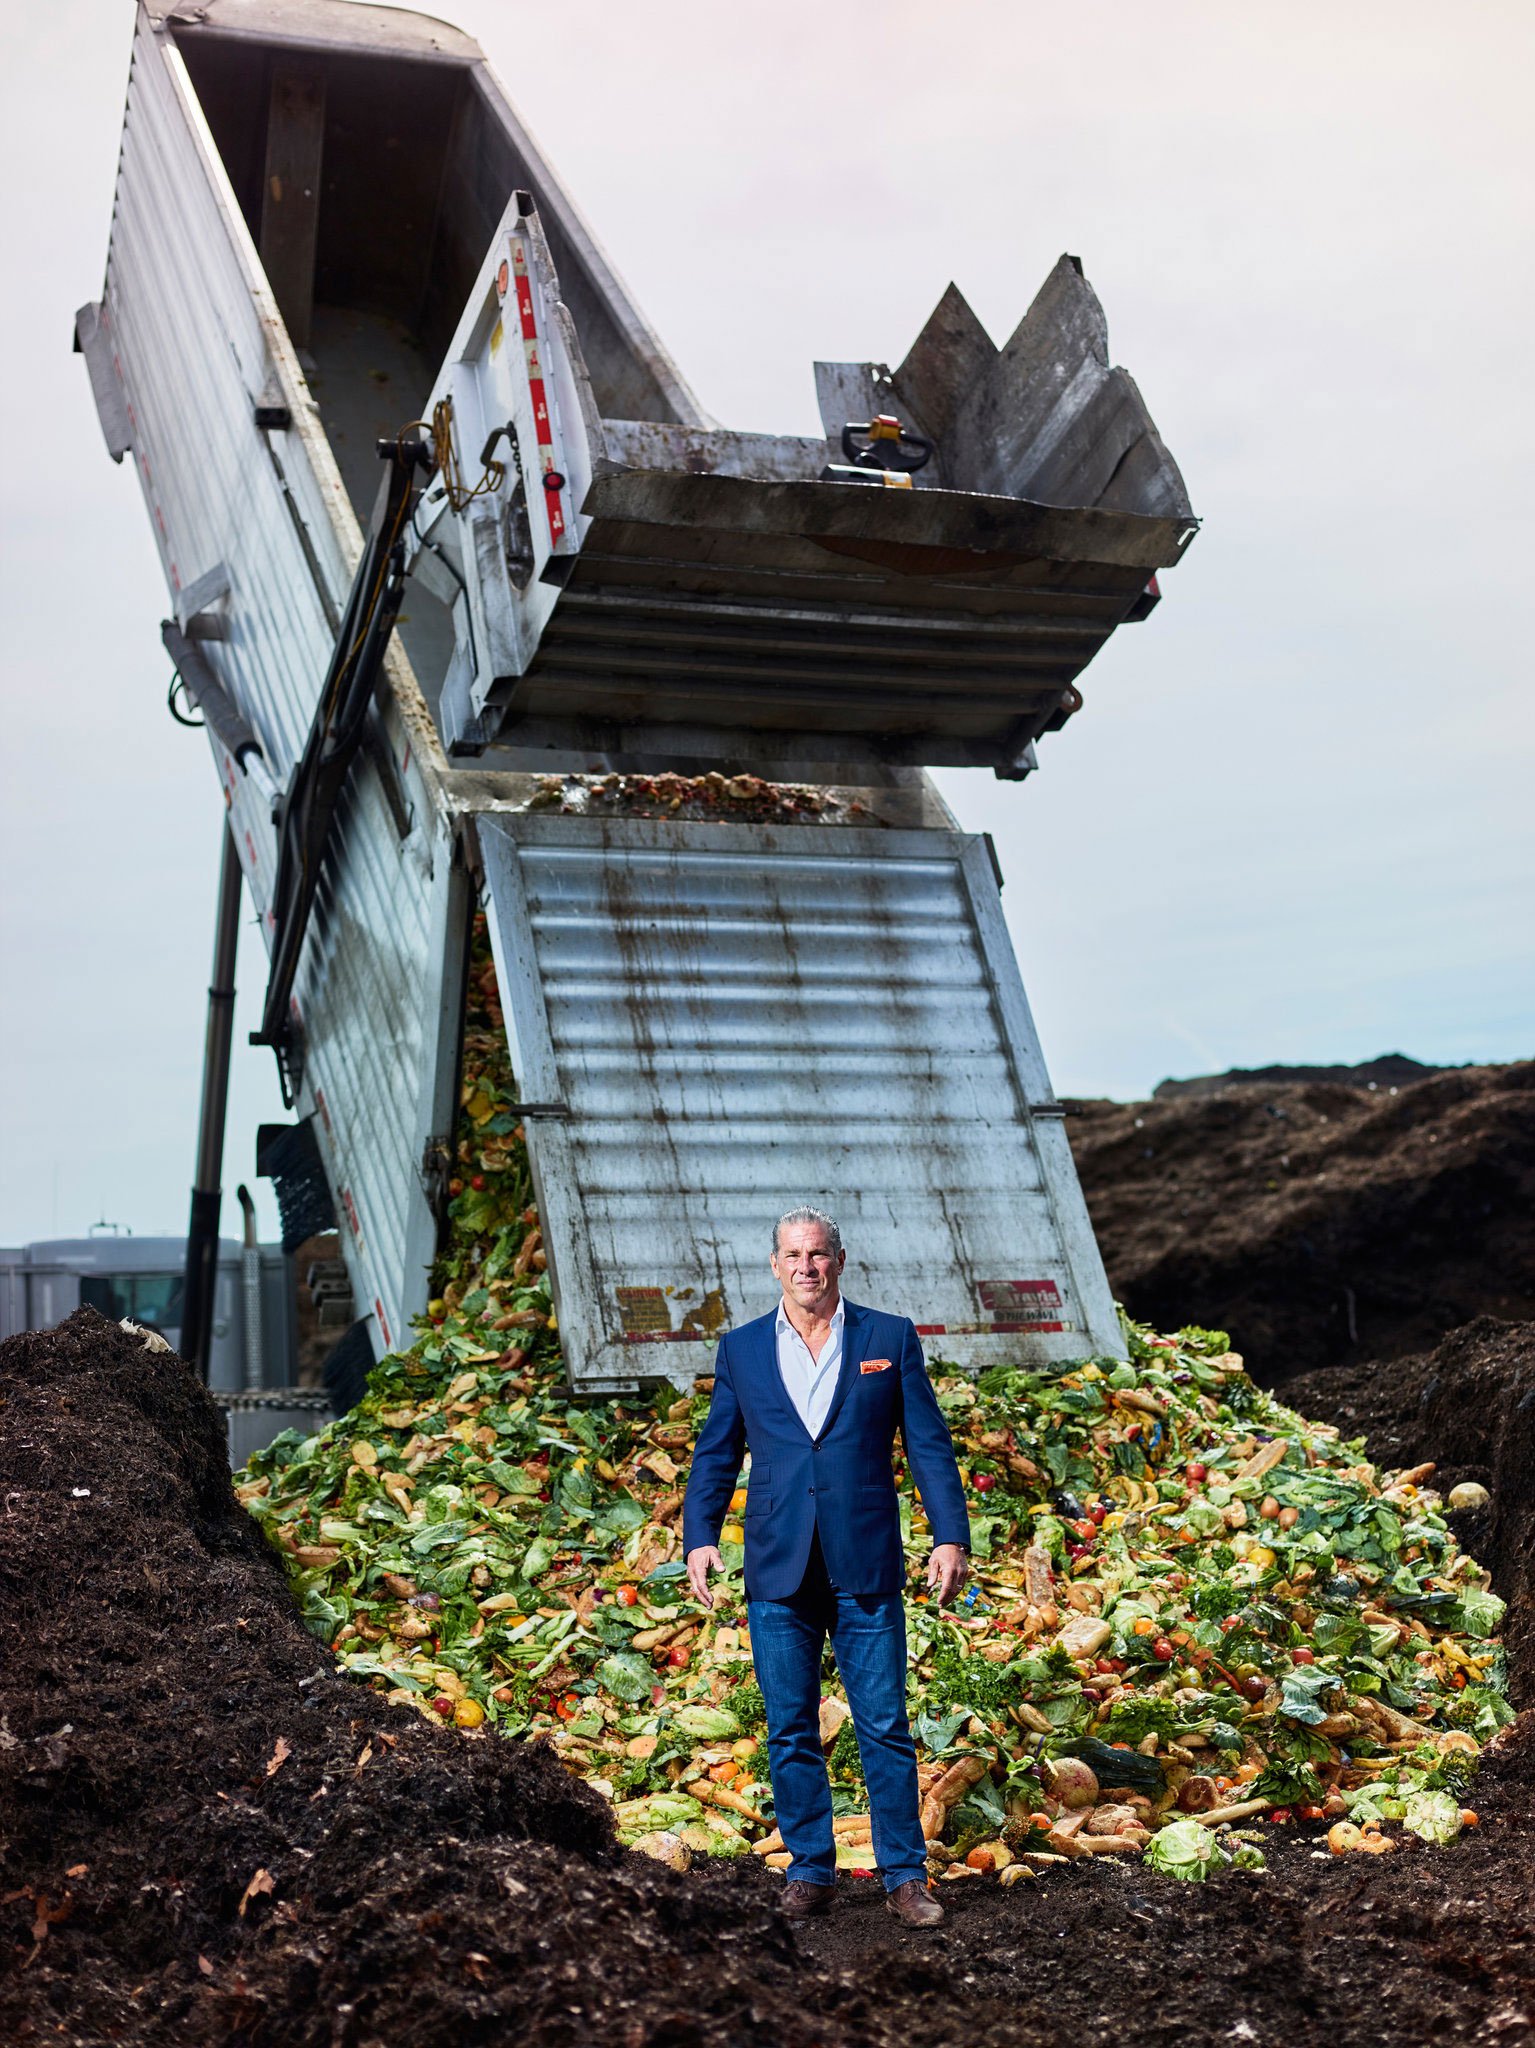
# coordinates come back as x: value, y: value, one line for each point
x: 543, y: 426
x: 383, y: 1321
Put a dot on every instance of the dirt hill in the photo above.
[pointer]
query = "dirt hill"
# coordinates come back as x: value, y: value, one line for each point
x: 1321, y: 1223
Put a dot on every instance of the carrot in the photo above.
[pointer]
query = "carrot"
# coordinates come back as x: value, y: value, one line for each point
x: 721, y: 1795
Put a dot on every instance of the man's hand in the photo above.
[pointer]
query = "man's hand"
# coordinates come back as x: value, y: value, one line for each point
x: 947, y: 1569
x: 700, y: 1563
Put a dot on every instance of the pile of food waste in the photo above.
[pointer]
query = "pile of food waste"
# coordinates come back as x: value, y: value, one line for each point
x: 742, y: 799
x: 1192, y: 1612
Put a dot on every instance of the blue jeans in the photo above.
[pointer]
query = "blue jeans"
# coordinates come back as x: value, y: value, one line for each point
x: 868, y: 1638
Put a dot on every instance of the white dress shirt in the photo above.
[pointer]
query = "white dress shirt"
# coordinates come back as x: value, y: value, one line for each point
x: 809, y: 1382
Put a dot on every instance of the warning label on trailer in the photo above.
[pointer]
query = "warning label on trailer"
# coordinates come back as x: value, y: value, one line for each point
x: 1008, y: 1300
x: 644, y: 1311
x: 645, y: 1314
x: 1016, y: 1307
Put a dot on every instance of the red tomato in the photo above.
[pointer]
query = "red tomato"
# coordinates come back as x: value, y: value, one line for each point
x: 1096, y: 1514
x: 568, y: 1707
x: 678, y: 1657
x: 1162, y: 1650
x: 477, y: 1182
x: 1197, y: 1472
x: 1303, y: 1656
x: 443, y: 1705
x: 1229, y: 1624
x: 627, y: 1596
x: 983, y: 1482
x: 1106, y: 1665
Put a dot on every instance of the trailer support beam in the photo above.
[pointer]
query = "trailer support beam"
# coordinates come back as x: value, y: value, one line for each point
x: 207, y: 1191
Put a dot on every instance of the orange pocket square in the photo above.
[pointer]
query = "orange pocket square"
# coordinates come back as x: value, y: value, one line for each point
x: 875, y: 1365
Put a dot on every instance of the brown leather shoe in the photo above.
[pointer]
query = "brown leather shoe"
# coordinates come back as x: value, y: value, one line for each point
x: 802, y: 1901
x: 913, y: 1904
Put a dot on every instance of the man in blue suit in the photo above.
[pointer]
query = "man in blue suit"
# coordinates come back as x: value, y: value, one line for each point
x: 816, y: 1391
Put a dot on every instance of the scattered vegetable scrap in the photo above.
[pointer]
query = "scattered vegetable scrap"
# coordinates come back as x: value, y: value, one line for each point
x: 745, y: 798
x: 1190, y: 1607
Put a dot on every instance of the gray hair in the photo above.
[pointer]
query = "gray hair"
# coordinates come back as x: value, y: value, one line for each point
x: 805, y: 1214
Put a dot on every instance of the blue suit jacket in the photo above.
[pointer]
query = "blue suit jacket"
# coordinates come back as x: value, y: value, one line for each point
x: 841, y: 1483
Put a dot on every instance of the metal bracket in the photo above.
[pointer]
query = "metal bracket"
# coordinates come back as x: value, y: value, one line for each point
x: 436, y: 1165
x: 270, y: 411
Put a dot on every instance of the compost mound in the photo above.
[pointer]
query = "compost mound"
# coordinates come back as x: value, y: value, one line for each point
x: 1322, y: 1224
x: 210, y: 1837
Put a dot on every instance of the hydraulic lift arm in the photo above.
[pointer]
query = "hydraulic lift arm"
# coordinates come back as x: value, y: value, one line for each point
x: 308, y: 810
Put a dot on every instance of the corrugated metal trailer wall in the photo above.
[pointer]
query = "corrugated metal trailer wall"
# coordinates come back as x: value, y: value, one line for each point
x: 196, y: 340
x: 727, y: 1020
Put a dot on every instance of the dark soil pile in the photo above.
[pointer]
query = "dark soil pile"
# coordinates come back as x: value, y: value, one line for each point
x: 208, y: 1836
x: 173, y: 1747
x: 1321, y: 1223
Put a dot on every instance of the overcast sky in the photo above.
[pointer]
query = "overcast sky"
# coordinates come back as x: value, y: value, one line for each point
x: 1293, y: 821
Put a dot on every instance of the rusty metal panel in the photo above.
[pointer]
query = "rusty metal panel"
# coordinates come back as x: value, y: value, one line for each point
x: 722, y: 1021
x: 195, y: 340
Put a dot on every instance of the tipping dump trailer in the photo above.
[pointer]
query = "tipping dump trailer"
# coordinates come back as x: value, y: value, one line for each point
x: 439, y: 516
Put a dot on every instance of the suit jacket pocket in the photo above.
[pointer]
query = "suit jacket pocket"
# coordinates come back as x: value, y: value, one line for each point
x: 757, y: 1502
